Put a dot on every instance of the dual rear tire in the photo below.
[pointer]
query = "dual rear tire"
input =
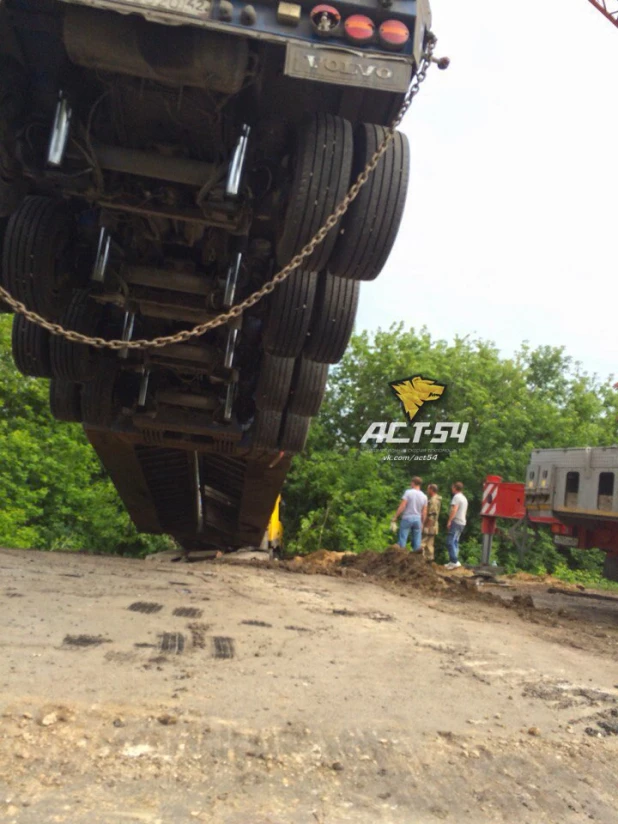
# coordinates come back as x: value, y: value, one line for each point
x: 311, y: 315
x: 313, y: 311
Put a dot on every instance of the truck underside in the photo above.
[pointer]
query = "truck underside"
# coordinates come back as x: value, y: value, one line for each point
x: 159, y: 162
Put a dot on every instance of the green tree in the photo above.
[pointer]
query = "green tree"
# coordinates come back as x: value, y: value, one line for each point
x: 54, y: 492
x: 342, y: 495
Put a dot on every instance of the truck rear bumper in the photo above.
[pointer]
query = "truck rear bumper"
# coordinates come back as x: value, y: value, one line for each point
x: 310, y: 57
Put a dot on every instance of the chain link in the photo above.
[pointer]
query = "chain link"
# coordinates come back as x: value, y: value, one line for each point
x: 283, y: 274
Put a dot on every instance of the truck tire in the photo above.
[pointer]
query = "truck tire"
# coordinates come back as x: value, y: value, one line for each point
x: 295, y: 431
x: 65, y: 400
x: 308, y: 387
x: 320, y: 177
x: 35, y: 256
x: 333, y: 319
x: 266, y: 432
x: 274, y: 382
x: 369, y: 228
x: 289, y: 314
x: 99, y: 400
x: 77, y: 361
x: 30, y: 345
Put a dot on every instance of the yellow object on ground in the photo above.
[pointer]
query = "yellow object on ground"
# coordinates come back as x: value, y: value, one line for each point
x: 273, y: 537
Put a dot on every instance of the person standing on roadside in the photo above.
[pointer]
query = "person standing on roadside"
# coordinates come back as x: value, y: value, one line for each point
x: 456, y: 523
x: 413, y: 511
x: 430, y: 529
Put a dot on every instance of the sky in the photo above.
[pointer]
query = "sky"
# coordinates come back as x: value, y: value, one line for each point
x: 509, y: 232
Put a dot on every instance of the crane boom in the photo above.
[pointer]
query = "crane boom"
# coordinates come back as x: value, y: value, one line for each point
x: 608, y: 8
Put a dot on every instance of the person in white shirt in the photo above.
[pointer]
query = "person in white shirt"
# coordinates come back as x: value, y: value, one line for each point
x: 413, y: 509
x: 455, y: 524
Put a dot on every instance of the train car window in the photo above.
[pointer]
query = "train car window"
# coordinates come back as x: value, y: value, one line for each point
x: 571, y: 491
x: 605, y: 499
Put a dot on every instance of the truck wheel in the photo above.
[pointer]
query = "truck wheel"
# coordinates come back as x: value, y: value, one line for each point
x: 308, y: 387
x: 36, y: 265
x: 321, y: 167
x: 65, y: 400
x: 289, y: 314
x: 295, y: 431
x: 274, y: 382
x: 99, y: 399
x: 266, y: 432
x: 369, y: 227
x: 30, y: 344
x: 333, y: 319
x: 77, y: 361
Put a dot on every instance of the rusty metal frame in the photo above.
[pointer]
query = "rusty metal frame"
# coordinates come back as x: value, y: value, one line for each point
x: 608, y: 8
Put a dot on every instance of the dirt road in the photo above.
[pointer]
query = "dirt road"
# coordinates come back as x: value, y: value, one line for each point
x: 147, y: 691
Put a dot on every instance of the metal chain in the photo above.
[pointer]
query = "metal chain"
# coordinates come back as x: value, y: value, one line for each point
x: 283, y: 274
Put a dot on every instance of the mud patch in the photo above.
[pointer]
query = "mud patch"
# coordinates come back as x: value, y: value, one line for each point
x: 12, y: 594
x: 188, y: 612
x: 223, y: 647
x: 605, y: 724
x: 146, y: 607
x: 380, y: 617
x: 298, y: 629
x: 119, y: 657
x: 82, y: 641
x: 172, y: 642
x: 373, y: 616
x: 254, y: 623
x: 198, y: 635
x: 563, y: 695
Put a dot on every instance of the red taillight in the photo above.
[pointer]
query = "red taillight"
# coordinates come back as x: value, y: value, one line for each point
x: 359, y: 28
x: 325, y: 19
x: 394, y: 34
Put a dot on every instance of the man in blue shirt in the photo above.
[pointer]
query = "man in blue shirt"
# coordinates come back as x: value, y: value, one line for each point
x: 413, y: 511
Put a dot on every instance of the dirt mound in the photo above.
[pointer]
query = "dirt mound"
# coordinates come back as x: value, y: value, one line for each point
x: 321, y: 562
x: 544, y: 580
x: 396, y: 564
x: 393, y: 564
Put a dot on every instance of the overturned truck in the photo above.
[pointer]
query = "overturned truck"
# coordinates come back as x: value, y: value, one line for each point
x: 159, y: 161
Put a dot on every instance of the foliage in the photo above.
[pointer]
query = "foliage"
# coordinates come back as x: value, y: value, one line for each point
x: 339, y: 494
x: 342, y: 495
x: 55, y: 494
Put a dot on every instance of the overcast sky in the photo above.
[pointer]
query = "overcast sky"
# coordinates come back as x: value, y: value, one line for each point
x: 510, y: 230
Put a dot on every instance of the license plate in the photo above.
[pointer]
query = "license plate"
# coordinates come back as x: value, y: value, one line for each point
x: 565, y: 540
x: 346, y: 69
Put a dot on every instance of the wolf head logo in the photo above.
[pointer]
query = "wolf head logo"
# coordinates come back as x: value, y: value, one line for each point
x: 413, y: 392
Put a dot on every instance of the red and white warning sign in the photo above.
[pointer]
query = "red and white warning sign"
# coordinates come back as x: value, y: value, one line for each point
x: 490, y: 495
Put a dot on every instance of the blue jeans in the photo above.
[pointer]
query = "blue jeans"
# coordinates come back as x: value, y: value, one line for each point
x: 407, y: 526
x: 452, y: 541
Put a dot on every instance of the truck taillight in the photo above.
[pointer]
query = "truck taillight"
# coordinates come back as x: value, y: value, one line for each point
x: 325, y: 20
x: 359, y: 29
x: 393, y: 34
